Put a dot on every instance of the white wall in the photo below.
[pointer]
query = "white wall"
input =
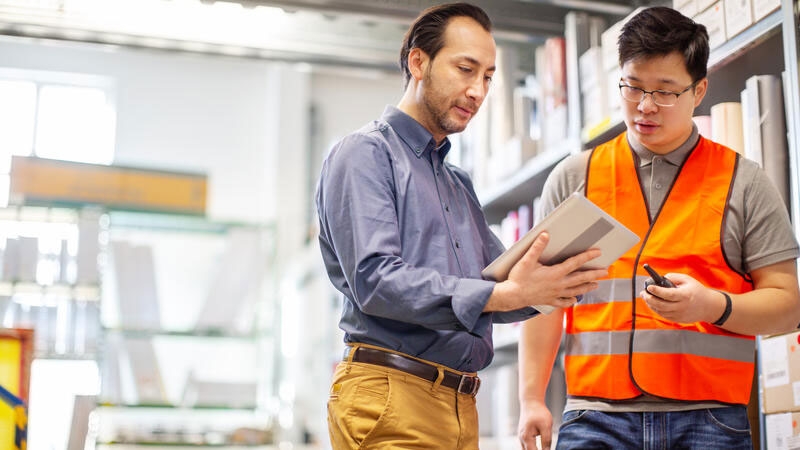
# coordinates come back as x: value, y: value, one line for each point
x: 346, y: 100
x: 183, y: 112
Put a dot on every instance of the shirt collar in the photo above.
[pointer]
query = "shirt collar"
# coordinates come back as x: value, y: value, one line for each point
x: 418, y: 139
x: 675, y: 157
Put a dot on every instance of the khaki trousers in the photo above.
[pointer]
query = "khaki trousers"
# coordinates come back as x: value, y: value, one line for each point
x: 375, y: 407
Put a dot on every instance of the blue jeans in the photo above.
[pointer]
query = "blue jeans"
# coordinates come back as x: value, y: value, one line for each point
x: 703, y: 429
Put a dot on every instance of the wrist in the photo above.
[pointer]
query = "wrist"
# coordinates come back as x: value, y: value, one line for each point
x: 529, y: 401
x: 497, y: 301
x: 726, y: 312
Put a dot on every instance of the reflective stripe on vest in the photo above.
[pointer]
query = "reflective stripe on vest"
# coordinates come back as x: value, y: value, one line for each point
x: 617, y: 348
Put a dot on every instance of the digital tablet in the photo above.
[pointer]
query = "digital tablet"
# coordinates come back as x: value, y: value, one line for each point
x: 574, y: 226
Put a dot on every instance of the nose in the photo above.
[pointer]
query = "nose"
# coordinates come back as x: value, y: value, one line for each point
x: 478, y: 89
x: 645, y: 104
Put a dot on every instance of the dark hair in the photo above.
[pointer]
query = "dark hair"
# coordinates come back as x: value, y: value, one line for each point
x: 427, y: 31
x: 658, y: 31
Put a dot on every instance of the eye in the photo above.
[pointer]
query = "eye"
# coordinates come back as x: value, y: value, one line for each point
x: 487, y: 78
x: 465, y: 69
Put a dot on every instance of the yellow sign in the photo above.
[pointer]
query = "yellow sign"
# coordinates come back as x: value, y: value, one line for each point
x: 10, y: 361
x: 39, y: 180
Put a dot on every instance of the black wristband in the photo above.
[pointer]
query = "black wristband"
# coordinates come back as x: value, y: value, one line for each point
x: 727, y: 312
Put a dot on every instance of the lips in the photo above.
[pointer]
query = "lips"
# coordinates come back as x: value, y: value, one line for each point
x: 646, y: 126
x: 469, y: 107
x: 465, y: 111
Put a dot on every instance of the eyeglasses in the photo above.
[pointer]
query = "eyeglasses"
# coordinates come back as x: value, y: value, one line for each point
x: 660, y: 98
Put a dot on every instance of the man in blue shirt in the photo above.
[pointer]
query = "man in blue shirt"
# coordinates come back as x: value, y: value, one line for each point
x: 404, y: 238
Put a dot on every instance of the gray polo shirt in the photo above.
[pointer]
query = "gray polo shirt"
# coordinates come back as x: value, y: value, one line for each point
x: 757, y: 233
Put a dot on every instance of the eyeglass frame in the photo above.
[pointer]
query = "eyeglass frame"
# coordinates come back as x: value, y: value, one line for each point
x: 677, y: 95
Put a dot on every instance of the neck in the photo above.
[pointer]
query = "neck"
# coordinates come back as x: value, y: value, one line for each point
x: 411, y: 105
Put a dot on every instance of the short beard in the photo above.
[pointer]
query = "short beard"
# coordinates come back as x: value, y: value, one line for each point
x: 439, y: 116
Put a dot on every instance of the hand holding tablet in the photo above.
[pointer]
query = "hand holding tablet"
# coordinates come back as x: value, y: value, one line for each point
x: 575, y: 226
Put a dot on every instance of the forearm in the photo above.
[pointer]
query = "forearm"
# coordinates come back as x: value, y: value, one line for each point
x: 539, y: 341
x: 772, y: 307
x: 395, y: 290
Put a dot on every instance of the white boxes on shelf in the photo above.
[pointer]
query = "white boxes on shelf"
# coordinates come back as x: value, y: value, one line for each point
x: 783, y: 431
x: 738, y: 16
x: 608, y: 41
x: 608, y: 44
x: 702, y: 5
x: 714, y: 20
x: 590, y: 66
x: 593, y: 87
x: 761, y: 8
x: 686, y: 7
x: 613, y: 98
x: 780, y: 373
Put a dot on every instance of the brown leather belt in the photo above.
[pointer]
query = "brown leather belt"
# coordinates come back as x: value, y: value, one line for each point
x: 464, y: 384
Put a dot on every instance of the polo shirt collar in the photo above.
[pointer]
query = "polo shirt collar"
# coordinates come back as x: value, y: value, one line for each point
x: 675, y: 157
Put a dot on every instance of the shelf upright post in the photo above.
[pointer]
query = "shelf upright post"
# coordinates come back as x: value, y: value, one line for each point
x: 791, y: 36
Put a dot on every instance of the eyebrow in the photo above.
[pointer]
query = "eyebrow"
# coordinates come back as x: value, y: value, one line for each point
x: 662, y: 80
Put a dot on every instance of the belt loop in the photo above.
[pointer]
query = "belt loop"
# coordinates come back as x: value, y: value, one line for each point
x: 439, y: 379
x: 352, y: 352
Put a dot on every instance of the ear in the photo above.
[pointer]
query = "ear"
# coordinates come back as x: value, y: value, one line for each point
x: 700, y: 90
x: 417, y: 63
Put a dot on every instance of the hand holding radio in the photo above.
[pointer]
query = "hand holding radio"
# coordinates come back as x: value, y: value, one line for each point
x: 689, y: 300
x: 656, y: 278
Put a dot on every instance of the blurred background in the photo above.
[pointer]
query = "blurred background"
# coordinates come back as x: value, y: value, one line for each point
x: 160, y: 281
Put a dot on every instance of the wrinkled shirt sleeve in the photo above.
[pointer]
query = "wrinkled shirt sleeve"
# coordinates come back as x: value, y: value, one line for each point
x: 362, y: 227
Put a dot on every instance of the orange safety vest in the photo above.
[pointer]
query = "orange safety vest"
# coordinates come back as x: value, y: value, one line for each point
x: 617, y: 348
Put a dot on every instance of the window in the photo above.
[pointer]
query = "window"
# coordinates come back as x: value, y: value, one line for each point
x: 57, y: 116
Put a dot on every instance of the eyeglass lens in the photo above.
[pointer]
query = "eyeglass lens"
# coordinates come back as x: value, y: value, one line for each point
x: 634, y: 94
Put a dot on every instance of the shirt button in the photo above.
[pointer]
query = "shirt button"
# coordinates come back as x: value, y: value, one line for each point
x: 458, y: 244
x: 447, y: 208
x: 658, y: 185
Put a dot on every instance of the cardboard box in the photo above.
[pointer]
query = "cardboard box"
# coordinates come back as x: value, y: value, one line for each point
x: 702, y: 5
x: 780, y: 373
x: 50, y: 181
x: 738, y: 16
x: 762, y: 8
x: 595, y: 105
x: 613, y: 97
x: 590, y: 66
x: 782, y: 431
x: 608, y: 44
x: 608, y: 41
x: 686, y: 7
x: 714, y: 20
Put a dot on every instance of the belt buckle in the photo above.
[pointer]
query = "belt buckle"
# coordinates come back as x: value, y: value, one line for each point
x: 476, y: 384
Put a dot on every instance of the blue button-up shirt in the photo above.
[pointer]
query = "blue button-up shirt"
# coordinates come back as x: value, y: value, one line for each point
x: 404, y: 238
